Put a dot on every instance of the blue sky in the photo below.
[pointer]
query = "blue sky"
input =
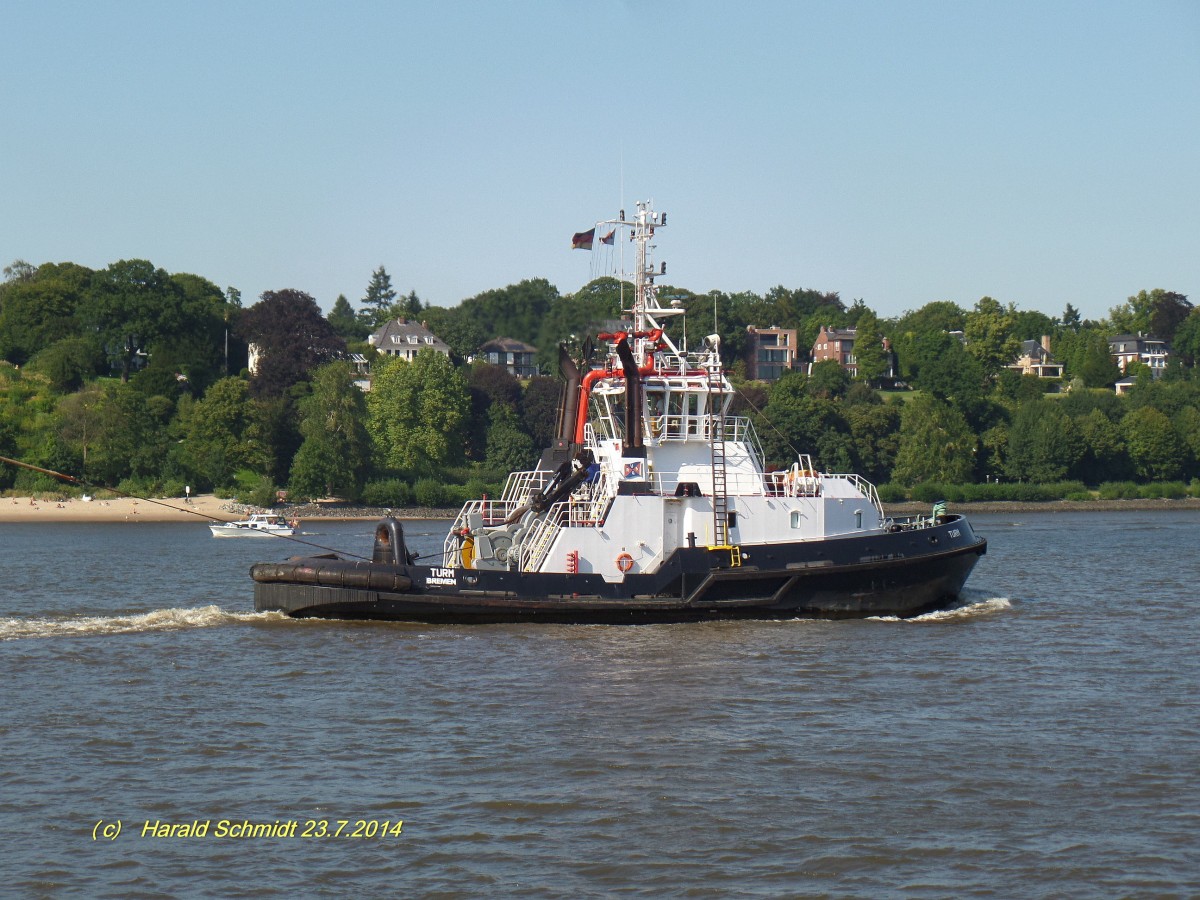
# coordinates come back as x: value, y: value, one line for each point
x: 1041, y: 153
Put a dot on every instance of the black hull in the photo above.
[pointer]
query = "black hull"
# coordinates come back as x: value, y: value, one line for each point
x: 905, y: 573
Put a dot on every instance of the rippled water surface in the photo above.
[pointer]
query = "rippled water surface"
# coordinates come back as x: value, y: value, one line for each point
x: 1041, y: 741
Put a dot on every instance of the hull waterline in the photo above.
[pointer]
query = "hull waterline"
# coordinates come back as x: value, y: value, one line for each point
x: 830, y: 581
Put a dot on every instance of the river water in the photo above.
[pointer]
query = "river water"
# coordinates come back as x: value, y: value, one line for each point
x: 1043, y: 740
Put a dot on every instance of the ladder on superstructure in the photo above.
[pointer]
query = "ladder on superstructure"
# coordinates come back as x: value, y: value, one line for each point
x: 716, y: 442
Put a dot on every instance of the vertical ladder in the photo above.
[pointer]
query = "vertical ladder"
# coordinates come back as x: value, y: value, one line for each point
x: 716, y: 438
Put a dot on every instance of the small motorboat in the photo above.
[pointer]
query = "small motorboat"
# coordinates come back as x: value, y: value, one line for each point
x: 258, y: 525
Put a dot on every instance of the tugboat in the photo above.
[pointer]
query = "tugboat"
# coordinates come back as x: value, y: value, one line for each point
x: 652, y: 505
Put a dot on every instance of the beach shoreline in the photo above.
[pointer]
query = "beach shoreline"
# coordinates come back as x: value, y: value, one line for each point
x: 206, y: 508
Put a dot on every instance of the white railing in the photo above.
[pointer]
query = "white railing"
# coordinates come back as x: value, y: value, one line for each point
x: 521, y: 486
x: 590, y: 510
x: 866, y: 489
x: 540, y: 538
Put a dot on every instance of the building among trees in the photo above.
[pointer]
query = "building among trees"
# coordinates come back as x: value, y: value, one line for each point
x: 1035, y: 359
x: 1139, y: 348
x: 770, y: 352
x: 838, y: 344
x: 515, y: 356
x: 404, y: 339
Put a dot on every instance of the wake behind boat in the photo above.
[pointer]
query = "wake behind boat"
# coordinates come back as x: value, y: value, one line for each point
x: 653, y: 505
x: 258, y: 525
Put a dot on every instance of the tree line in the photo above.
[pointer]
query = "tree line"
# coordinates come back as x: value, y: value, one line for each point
x: 139, y: 379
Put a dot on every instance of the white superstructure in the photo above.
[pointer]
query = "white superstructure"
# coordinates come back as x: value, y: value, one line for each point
x: 651, y: 462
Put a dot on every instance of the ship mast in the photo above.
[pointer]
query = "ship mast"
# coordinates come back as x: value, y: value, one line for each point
x: 645, y: 291
x: 645, y: 310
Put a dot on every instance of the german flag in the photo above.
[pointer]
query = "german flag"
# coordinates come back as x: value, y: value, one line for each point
x: 583, y: 239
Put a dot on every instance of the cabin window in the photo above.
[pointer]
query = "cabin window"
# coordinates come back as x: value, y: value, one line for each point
x: 858, y: 518
x: 600, y: 417
x: 733, y: 518
x: 796, y: 516
x: 655, y: 404
x: 616, y: 412
x: 674, y: 414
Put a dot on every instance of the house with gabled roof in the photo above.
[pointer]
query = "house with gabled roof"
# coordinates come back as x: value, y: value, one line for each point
x: 404, y: 339
x: 1035, y: 359
x: 838, y: 343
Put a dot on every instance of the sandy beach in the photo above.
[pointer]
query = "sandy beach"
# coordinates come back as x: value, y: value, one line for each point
x: 202, y: 508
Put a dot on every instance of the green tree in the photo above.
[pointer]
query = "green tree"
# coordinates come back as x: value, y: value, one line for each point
x: 69, y: 363
x: 539, y: 409
x: 1043, y: 443
x: 81, y: 419
x: 946, y: 370
x: 517, y: 311
x: 1154, y: 447
x: 868, y: 348
x: 828, y: 380
x: 1104, y: 456
x: 408, y: 307
x: 989, y: 333
x: 19, y: 270
x: 292, y: 338
x: 875, y: 434
x: 1187, y: 426
x: 379, y: 299
x: 490, y: 386
x: 336, y: 454
x: 1168, y: 310
x: 132, y: 305
x: 794, y: 421
x: 916, y: 327
x: 38, y: 308
x: 791, y: 308
x: 417, y: 413
x: 509, y: 449
x: 581, y: 314
x: 1086, y: 356
x: 1134, y: 316
x: 457, y: 328
x: 1030, y: 325
x: 220, y: 436
x: 135, y: 439
x: 940, y: 315
x: 1187, y: 338
x: 992, y: 458
x: 345, y: 323
x: 936, y: 444
x: 1080, y: 402
x: 195, y: 351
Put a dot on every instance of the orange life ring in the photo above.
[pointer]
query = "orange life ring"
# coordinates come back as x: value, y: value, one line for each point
x: 624, y: 562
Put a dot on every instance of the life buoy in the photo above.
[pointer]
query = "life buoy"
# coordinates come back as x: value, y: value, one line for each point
x: 624, y: 562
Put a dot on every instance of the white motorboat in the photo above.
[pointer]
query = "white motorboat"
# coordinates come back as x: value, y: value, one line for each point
x: 258, y: 525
